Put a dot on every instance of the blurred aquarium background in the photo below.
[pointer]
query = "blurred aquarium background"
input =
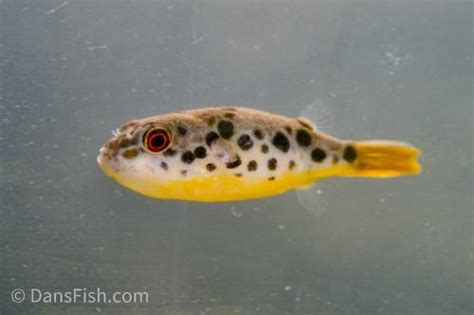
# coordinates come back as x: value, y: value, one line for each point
x: 73, y: 70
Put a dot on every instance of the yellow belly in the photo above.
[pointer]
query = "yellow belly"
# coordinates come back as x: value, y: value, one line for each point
x: 225, y: 187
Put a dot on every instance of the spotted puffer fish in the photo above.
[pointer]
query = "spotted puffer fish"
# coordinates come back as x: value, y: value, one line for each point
x: 234, y: 153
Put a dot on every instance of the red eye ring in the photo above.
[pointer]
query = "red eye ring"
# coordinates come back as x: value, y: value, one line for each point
x: 156, y: 140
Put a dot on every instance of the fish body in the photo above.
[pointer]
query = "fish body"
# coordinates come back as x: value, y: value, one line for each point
x: 234, y: 153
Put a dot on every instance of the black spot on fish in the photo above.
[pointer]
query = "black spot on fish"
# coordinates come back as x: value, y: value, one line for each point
x: 225, y: 129
x: 211, y: 137
x: 252, y: 166
x: 164, y: 166
x: 234, y: 164
x: 200, y: 152
x: 182, y: 131
x: 289, y: 130
x: 335, y: 159
x: 292, y: 165
x: 258, y: 134
x: 272, y: 178
x: 318, y: 155
x: 272, y: 164
x: 170, y: 152
x: 281, y: 142
x: 264, y: 148
x: 303, y: 138
x: 245, y: 142
x: 184, y: 172
x: 238, y: 174
x: 188, y: 157
x: 211, y: 167
x: 349, y: 154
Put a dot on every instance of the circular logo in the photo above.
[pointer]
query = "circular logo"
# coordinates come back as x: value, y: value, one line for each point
x: 18, y: 295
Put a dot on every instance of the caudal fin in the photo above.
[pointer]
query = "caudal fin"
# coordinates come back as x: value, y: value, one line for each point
x: 381, y: 159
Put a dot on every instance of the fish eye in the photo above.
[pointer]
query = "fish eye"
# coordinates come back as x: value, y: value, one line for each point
x: 156, y: 140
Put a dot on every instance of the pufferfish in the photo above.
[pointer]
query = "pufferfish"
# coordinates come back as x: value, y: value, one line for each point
x: 233, y: 153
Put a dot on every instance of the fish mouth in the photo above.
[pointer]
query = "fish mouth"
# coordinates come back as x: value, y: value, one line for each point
x: 106, y: 163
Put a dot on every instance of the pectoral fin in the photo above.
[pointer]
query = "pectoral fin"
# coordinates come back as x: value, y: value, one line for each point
x: 224, y: 151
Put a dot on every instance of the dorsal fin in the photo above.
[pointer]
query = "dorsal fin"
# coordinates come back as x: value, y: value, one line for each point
x: 317, y: 116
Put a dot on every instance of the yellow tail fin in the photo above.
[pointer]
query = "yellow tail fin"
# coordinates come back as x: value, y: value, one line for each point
x: 383, y: 159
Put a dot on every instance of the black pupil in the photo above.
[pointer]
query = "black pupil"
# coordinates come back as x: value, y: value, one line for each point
x: 157, y: 140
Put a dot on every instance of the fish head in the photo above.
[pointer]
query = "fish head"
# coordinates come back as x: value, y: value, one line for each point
x: 141, y: 152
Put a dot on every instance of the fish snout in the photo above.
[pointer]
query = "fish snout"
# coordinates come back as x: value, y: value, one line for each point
x: 107, y: 160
